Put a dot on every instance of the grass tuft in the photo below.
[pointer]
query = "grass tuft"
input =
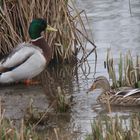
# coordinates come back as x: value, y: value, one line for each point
x: 128, y: 70
x: 115, y: 128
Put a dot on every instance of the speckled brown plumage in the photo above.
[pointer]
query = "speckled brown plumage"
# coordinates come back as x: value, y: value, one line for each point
x: 108, y: 95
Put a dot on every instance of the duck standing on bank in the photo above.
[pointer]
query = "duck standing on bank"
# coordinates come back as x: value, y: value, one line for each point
x: 27, y: 60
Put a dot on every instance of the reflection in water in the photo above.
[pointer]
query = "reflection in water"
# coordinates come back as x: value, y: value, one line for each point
x: 16, y: 99
x: 113, y: 26
x: 58, y: 76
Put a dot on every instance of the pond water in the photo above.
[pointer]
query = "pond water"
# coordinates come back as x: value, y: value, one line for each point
x: 115, y: 24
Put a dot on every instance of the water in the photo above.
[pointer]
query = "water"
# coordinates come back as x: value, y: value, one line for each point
x: 114, y: 24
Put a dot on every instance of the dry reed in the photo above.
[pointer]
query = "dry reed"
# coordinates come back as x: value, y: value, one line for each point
x: 115, y: 128
x: 16, y: 15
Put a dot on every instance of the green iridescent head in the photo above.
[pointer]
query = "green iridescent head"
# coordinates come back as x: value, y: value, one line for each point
x: 36, y: 27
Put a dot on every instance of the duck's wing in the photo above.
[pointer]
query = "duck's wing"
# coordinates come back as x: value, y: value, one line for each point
x: 122, y: 92
x: 132, y: 92
x: 18, y: 56
x: 125, y: 91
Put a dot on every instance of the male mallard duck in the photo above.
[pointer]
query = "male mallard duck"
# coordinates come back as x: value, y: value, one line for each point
x: 27, y: 60
x: 123, y: 96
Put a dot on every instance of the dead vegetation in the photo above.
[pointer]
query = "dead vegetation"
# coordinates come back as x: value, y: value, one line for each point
x: 16, y: 15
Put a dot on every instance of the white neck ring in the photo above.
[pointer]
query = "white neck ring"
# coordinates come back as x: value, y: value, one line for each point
x: 36, y: 39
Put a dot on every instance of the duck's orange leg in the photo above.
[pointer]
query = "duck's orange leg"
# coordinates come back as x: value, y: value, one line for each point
x: 29, y: 82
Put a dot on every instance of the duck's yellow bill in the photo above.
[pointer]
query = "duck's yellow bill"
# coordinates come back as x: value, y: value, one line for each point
x: 49, y: 28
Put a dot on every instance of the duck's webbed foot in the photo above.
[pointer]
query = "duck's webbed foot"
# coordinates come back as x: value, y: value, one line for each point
x: 29, y: 82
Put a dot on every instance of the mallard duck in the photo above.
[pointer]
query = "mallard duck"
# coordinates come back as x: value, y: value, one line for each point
x: 27, y: 60
x: 125, y: 96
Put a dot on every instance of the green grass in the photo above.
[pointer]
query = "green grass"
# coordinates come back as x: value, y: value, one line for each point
x: 128, y: 70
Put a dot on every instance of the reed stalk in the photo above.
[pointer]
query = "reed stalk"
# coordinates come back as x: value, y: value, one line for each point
x: 115, y: 128
x: 128, y: 70
x: 16, y: 15
x: 111, y: 69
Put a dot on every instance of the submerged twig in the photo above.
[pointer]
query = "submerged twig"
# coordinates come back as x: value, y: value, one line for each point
x: 130, y: 7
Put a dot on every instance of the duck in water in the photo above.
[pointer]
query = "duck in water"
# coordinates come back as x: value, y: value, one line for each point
x: 124, y: 96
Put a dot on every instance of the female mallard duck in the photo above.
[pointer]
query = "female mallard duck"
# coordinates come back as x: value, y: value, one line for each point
x: 27, y: 60
x: 120, y: 97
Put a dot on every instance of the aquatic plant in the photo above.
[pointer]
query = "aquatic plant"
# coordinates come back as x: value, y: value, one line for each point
x: 16, y: 16
x: 63, y: 100
x: 115, y: 128
x: 9, y: 130
x: 128, y: 73
x: 110, y: 68
x: 33, y: 116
